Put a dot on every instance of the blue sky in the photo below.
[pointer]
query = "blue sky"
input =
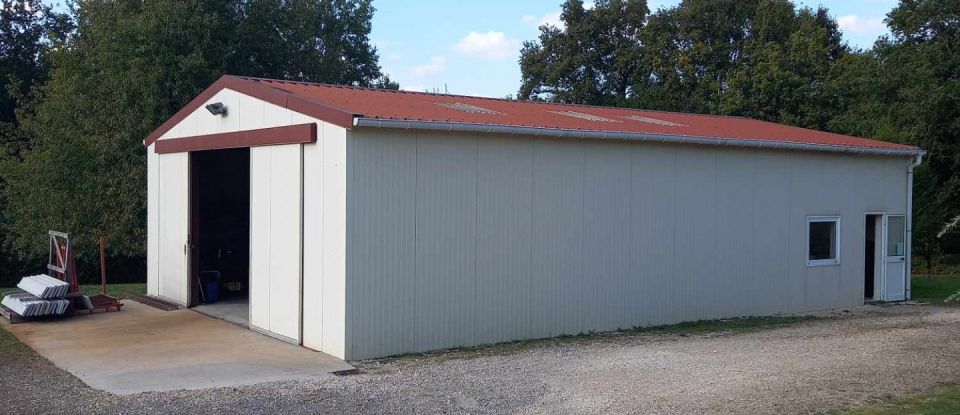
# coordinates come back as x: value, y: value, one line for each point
x: 472, y: 48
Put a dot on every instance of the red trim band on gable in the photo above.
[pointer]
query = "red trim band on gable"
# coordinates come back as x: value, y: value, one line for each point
x: 292, y: 134
x: 254, y: 89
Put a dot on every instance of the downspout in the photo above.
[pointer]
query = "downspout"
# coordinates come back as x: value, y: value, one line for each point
x: 917, y: 159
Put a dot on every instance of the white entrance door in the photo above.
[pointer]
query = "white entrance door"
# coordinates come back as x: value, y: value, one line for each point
x: 174, y: 226
x: 894, y: 258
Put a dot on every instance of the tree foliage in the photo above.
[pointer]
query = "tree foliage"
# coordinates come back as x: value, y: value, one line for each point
x: 131, y: 64
x: 27, y: 32
x: 593, y: 60
x: 759, y: 59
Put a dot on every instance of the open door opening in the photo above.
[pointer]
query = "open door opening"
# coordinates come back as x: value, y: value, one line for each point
x: 872, y: 255
x: 220, y: 233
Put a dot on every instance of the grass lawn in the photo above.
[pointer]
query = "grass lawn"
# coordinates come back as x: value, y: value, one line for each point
x: 934, y: 288
x: 944, y: 401
x: 8, y: 343
x: 114, y: 290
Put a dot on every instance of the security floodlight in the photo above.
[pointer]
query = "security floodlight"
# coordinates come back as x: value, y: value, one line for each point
x: 217, y: 108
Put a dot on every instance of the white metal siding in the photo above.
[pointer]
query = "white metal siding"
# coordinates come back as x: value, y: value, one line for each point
x: 324, y: 239
x: 504, y: 221
x: 153, y: 222
x: 557, y: 244
x: 459, y: 239
x: 382, y: 176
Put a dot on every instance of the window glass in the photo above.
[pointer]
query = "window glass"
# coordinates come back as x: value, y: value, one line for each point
x: 822, y: 245
x: 895, y: 236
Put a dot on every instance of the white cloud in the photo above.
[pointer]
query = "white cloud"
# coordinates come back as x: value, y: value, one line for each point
x: 436, y: 65
x: 551, y: 19
x: 415, y: 88
x: 394, y: 57
x: 490, y: 45
x: 852, y: 24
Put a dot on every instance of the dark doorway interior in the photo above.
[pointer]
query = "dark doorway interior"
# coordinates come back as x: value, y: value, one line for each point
x: 221, y: 225
x: 870, y: 257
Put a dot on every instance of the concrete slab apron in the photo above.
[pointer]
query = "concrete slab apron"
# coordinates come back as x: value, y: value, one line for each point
x: 143, y: 349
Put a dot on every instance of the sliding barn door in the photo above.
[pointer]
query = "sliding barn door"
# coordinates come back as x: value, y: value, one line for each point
x: 173, y: 222
x: 276, y: 223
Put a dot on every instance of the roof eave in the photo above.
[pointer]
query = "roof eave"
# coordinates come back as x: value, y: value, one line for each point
x: 632, y: 136
x: 254, y: 89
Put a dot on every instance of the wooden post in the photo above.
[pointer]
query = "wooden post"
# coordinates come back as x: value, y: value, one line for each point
x: 103, y: 265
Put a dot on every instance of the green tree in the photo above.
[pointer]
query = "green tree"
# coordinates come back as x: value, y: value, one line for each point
x: 788, y: 62
x: 320, y: 41
x: 130, y: 66
x: 764, y: 59
x: 697, y: 45
x: 27, y: 32
x: 592, y: 60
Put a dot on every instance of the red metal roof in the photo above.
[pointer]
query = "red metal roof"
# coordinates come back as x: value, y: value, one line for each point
x: 323, y: 100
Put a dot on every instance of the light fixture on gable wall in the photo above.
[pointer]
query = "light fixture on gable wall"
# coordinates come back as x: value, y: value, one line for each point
x: 217, y: 108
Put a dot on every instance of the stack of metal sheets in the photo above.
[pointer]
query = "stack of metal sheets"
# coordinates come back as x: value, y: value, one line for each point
x: 44, y: 286
x: 28, y: 305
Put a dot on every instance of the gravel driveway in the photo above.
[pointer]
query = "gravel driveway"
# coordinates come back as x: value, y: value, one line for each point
x: 841, y: 360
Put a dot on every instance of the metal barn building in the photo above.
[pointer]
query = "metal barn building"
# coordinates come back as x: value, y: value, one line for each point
x: 366, y: 223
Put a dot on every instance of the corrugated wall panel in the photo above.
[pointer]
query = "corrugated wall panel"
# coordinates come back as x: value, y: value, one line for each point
x: 771, y: 233
x: 464, y: 239
x: 734, y: 230
x: 806, y: 199
x: 382, y: 243
x: 652, y: 233
x: 694, y: 245
x: 606, y: 238
x: 556, y: 301
x: 446, y: 240
x: 504, y: 216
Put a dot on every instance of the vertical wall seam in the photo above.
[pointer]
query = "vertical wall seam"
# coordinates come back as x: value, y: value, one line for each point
x: 416, y: 225
x: 300, y: 247
x: 476, y: 232
x: 581, y: 301
x: 673, y: 230
x: 751, y: 267
x: 348, y: 329
x: 625, y: 306
x: 269, y: 276
x: 708, y: 307
x: 533, y: 183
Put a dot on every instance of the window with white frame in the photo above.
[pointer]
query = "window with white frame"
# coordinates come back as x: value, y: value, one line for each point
x: 823, y: 240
